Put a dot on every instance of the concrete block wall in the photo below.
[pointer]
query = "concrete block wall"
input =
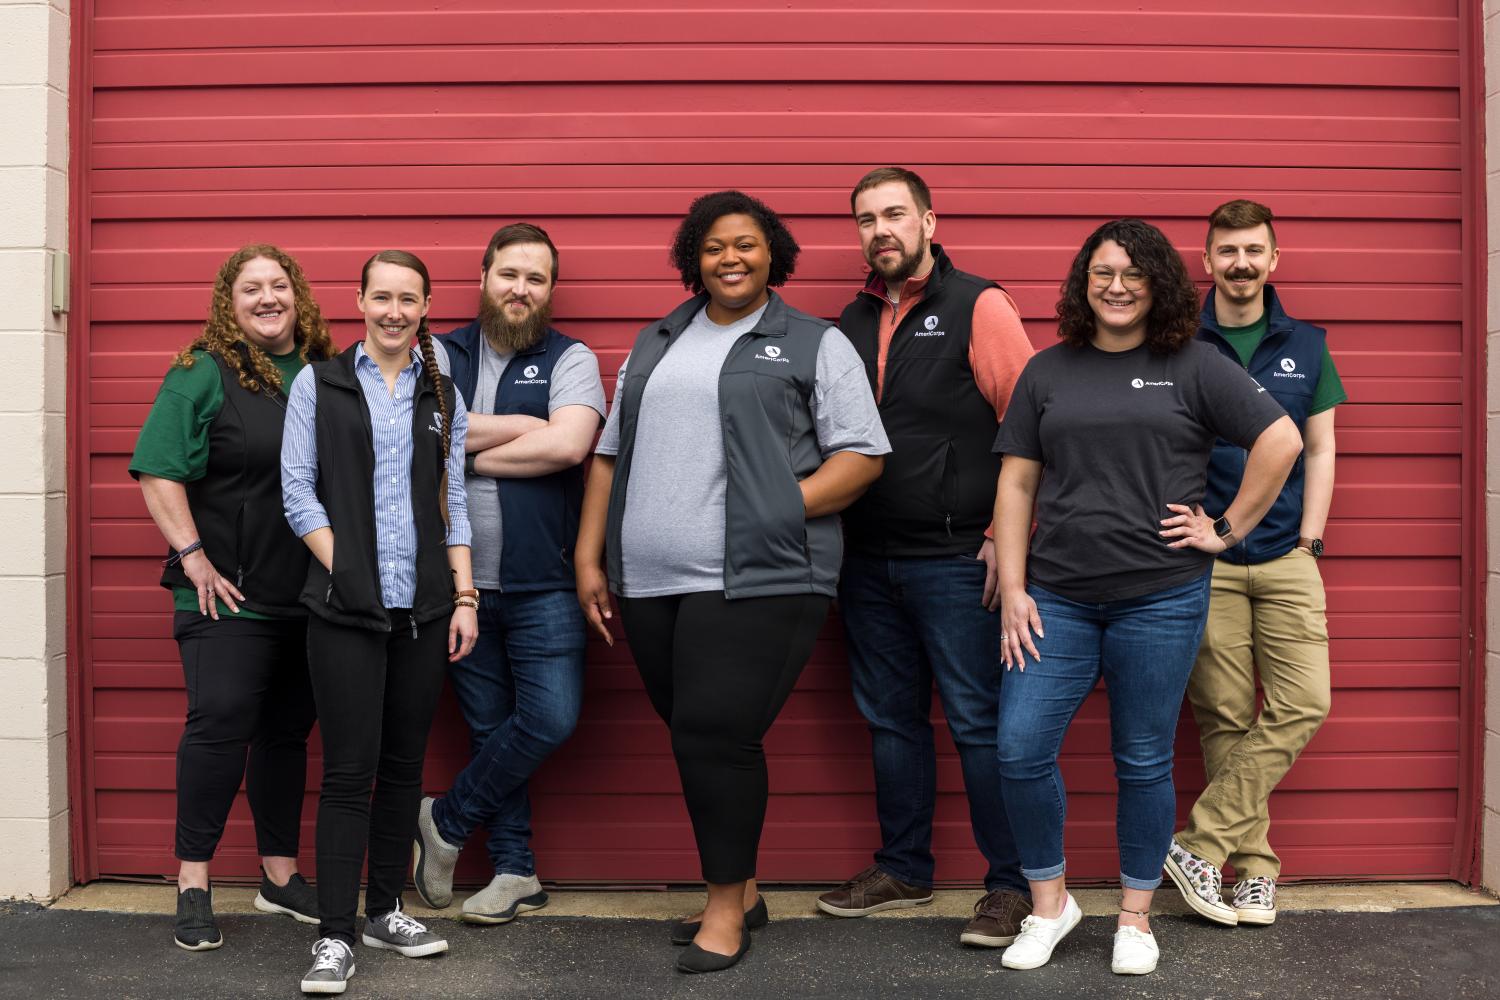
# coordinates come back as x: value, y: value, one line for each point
x: 34, y: 814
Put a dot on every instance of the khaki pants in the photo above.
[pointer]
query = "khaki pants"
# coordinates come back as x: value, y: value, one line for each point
x: 1266, y: 620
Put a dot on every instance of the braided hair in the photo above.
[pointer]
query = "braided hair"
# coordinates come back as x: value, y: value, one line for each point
x: 412, y: 262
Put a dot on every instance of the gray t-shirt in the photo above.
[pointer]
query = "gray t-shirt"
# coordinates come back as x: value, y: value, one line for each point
x: 575, y: 382
x: 672, y: 540
x: 1120, y: 436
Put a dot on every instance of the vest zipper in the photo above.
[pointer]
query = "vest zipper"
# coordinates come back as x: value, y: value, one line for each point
x: 413, y: 619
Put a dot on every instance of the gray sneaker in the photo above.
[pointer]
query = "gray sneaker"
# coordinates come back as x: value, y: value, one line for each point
x: 397, y: 932
x: 432, y: 860
x: 503, y: 898
x: 333, y: 965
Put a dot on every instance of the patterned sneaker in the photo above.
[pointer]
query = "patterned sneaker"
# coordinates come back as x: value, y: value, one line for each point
x: 397, y: 932
x: 296, y: 899
x: 196, y: 929
x: 1201, y: 884
x: 503, y: 898
x: 1255, y: 900
x: 1135, y: 953
x: 333, y: 965
x: 432, y: 860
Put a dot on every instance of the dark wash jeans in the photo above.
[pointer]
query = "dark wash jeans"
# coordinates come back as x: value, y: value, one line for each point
x: 520, y: 690
x: 1144, y: 648
x: 909, y: 622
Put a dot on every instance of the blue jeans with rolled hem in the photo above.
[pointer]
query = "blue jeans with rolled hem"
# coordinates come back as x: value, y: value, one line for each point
x: 909, y: 622
x: 1144, y: 648
x: 520, y: 690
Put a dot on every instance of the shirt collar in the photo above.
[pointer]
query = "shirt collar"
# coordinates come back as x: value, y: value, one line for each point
x: 361, y: 358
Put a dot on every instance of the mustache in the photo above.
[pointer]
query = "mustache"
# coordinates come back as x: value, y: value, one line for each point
x: 1240, y: 274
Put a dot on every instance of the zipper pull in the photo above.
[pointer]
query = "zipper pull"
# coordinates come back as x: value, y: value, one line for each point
x: 948, y: 523
x: 239, y: 577
x: 413, y: 620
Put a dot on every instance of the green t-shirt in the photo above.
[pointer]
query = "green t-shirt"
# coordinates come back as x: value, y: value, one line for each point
x: 1330, y: 388
x: 174, y: 439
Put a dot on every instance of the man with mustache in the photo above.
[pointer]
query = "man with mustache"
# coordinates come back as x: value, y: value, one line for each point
x: 1267, y: 610
x: 919, y: 595
x: 535, y: 401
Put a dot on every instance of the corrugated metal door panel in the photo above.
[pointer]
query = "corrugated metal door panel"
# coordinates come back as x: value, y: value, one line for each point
x: 335, y: 136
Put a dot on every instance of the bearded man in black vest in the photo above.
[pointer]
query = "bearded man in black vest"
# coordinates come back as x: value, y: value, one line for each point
x: 918, y: 595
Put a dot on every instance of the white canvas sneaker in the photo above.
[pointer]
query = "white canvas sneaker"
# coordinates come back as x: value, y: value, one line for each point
x: 1039, y: 935
x: 1135, y: 953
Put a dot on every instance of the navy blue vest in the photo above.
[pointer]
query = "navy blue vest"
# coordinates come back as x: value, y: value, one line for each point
x: 1287, y: 364
x: 538, y: 515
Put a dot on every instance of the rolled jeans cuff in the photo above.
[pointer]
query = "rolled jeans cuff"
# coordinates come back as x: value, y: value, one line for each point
x: 1143, y: 884
x: 1045, y: 874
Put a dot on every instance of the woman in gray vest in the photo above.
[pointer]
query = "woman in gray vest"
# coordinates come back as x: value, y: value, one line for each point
x: 207, y: 460
x: 740, y: 428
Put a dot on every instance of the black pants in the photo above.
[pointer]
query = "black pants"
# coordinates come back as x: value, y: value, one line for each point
x: 247, y: 687
x: 717, y: 672
x: 376, y: 693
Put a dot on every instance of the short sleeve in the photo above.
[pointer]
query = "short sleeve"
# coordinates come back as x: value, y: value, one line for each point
x: 845, y: 417
x: 173, y: 442
x: 1228, y: 401
x: 609, y: 440
x: 576, y: 382
x: 1020, y: 429
x: 1330, y: 391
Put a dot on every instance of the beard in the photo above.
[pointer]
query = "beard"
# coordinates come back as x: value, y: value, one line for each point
x: 904, y: 267
x: 509, y: 336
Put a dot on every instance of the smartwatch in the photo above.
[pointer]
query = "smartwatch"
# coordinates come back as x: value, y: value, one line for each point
x: 1224, y: 530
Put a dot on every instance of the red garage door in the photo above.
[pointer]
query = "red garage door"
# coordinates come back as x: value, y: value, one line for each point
x: 334, y: 134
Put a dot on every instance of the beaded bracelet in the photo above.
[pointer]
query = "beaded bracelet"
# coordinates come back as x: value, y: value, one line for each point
x: 184, y: 551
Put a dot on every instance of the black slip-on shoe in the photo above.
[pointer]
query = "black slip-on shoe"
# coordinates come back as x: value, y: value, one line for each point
x: 683, y: 931
x: 196, y: 929
x: 296, y: 899
x: 695, y: 959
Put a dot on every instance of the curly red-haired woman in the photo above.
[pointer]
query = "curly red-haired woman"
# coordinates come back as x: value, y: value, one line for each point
x: 208, y: 464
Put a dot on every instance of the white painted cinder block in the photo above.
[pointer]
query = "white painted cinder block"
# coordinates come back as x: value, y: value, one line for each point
x: 23, y: 275
x: 23, y: 630
x: 21, y: 472
x: 25, y: 45
x: 22, y: 378
x: 25, y: 791
x: 24, y: 709
x: 25, y: 113
x: 26, y: 870
x: 23, y: 192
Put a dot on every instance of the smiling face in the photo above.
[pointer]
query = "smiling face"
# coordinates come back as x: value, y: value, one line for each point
x: 393, y: 303
x: 519, y: 281
x: 1119, y: 311
x: 265, y: 308
x: 734, y: 263
x: 1240, y: 261
x: 895, y: 235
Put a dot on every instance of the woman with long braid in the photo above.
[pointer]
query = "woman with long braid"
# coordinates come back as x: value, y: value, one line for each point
x: 372, y: 476
x: 207, y: 463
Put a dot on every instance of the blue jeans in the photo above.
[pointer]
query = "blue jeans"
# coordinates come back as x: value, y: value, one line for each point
x: 1144, y: 647
x: 909, y: 622
x: 520, y: 690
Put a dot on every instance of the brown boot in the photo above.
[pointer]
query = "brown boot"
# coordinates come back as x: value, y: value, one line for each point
x: 871, y: 891
x: 997, y: 919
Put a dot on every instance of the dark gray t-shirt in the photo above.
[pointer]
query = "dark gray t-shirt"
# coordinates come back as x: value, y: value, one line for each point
x: 1120, y: 436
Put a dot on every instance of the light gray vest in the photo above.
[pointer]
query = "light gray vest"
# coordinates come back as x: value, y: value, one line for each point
x: 770, y: 445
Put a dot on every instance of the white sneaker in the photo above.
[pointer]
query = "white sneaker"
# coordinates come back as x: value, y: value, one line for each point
x: 1201, y: 884
x: 1255, y: 900
x: 1135, y: 953
x: 1039, y: 935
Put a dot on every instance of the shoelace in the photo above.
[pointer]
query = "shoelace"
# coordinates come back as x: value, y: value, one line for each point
x: 1257, y: 891
x: 994, y: 904
x: 400, y: 923
x: 1030, y: 924
x: 328, y: 954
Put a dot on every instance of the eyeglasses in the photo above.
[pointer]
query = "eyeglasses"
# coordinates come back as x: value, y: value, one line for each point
x: 1132, y: 278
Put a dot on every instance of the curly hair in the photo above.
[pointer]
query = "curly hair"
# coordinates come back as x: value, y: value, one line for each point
x: 1173, y: 319
x: 222, y: 336
x: 710, y: 208
x: 412, y: 262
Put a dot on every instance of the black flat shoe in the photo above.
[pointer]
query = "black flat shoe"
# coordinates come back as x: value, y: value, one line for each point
x: 683, y: 931
x: 695, y: 959
x: 196, y: 929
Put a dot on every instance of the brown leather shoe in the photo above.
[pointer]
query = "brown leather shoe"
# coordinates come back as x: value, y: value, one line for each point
x: 997, y: 919
x: 871, y: 891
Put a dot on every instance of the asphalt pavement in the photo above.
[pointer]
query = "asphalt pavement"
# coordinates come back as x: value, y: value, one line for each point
x: 1425, y: 954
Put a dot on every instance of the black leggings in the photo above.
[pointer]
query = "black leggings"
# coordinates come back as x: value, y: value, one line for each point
x: 376, y: 693
x: 717, y: 672
x: 247, y: 687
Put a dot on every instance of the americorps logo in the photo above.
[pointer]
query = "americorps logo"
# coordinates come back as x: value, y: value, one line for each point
x: 1140, y: 383
x: 929, y: 328
x: 1288, y: 370
x: 772, y: 353
x: 531, y: 371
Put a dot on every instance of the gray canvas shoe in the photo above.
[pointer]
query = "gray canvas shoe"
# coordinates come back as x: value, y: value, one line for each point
x: 397, y: 932
x: 432, y: 860
x: 503, y: 898
x: 333, y: 965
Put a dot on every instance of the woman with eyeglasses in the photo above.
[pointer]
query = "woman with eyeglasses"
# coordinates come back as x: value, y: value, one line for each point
x: 1106, y: 444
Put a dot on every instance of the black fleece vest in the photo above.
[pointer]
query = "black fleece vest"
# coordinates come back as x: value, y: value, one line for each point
x: 937, y: 494
x: 237, y: 504
x: 346, y: 477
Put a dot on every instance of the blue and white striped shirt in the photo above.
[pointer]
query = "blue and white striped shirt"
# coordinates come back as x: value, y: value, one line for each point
x: 390, y: 427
